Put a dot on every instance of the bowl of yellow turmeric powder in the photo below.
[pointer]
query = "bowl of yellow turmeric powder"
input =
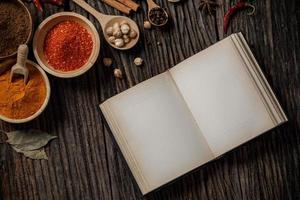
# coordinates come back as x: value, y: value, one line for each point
x: 22, y: 102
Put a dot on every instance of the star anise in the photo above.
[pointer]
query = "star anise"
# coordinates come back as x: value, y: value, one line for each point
x: 208, y: 6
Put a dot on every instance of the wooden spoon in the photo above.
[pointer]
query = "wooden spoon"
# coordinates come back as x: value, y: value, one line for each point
x: 108, y: 21
x: 153, y: 6
x: 20, y: 67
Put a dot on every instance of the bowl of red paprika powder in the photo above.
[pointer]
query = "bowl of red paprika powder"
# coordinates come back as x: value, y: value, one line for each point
x: 66, y: 44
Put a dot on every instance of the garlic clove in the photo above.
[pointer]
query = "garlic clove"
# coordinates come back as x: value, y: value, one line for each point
x: 118, y: 73
x: 117, y: 33
x: 119, y: 42
x: 125, y: 28
x: 127, y: 40
x: 132, y: 34
x: 112, y: 39
x: 116, y: 26
x: 138, y: 61
x: 147, y: 25
x: 109, y: 31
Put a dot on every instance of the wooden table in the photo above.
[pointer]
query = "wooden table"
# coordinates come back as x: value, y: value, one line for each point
x: 86, y: 163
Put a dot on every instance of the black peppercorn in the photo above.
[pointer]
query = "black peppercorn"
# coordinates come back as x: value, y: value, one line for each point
x: 158, y: 16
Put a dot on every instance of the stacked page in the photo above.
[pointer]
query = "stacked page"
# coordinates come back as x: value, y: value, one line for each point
x: 181, y: 119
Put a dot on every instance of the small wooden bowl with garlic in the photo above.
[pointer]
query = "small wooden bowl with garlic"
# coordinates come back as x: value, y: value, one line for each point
x: 121, y: 34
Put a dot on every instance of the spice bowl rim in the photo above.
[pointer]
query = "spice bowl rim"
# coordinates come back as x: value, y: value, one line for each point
x: 29, y: 35
x: 38, y: 50
x: 44, y: 105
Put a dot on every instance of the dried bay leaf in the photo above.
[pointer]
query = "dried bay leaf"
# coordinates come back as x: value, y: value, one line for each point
x: 29, y: 140
x: 37, y: 154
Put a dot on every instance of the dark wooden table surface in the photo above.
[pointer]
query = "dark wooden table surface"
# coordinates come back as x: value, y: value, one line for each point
x: 86, y: 163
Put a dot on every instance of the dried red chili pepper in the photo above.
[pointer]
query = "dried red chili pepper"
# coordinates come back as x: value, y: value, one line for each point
x: 234, y: 9
x: 54, y: 2
x: 38, y: 4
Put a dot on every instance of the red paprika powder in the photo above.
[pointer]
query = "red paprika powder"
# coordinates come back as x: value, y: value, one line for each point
x: 68, y: 46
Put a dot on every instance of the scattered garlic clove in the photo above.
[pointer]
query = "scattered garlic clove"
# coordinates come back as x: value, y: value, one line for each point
x: 117, y: 33
x: 125, y: 28
x: 147, y: 25
x: 119, y: 42
x: 109, y: 31
x: 118, y: 73
x: 132, y: 34
x: 112, y: 39
x: 107, y: 62
x: 138, y: 61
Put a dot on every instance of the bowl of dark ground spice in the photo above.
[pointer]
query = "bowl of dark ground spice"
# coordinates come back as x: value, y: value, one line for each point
x: 16, y: 27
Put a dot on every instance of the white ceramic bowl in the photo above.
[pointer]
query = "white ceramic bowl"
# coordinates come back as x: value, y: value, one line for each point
x: 47, y: 25
x: 44, y: 105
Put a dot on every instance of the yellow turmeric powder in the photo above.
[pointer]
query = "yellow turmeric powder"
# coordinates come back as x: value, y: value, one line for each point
x: 20, y: 101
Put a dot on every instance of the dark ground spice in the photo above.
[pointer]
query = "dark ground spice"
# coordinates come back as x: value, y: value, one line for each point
x: 14, y: 26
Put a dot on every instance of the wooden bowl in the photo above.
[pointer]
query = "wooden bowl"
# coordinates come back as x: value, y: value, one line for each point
x: 30, y: 33
x: 132, y: 25
x: 42, y: 108
x: 47, y: 25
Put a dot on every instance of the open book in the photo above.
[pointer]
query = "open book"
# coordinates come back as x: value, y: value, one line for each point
x: 189, y: 115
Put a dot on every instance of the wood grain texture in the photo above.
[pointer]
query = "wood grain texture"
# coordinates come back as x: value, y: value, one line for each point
x: 86, y: 163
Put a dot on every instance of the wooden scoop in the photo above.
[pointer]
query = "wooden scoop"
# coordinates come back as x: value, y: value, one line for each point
x: 20, y: 67
x: 151, y: 7
x: 108, y: 21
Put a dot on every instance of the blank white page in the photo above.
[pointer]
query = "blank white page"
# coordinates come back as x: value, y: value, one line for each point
x: 158, y: 131
x: 222, y: 97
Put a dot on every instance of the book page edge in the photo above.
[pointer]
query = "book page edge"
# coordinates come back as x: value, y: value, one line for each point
x: 124, y: 148
x: 262, y: 85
